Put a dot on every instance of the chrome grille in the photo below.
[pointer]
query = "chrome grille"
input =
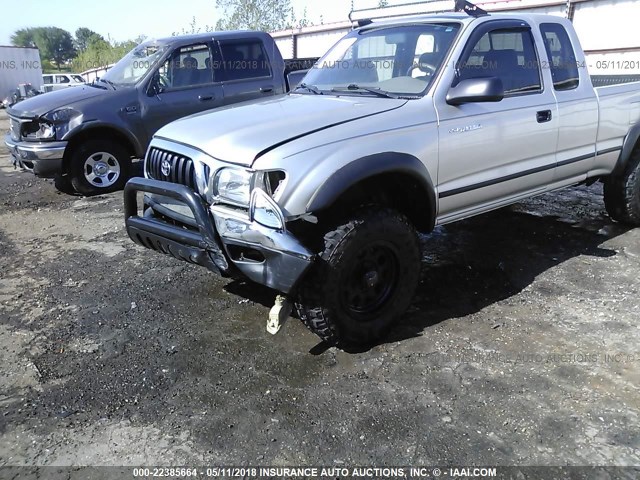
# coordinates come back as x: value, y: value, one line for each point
x: 177, y: 168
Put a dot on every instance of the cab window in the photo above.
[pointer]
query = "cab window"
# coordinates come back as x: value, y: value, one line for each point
x: 244, y: 59
x: 187, y: 67
x: 562, y: 58
x: 508, y: 54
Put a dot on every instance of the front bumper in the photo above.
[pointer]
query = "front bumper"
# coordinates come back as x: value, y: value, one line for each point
x: 43, y: 159
x: 219, y: 238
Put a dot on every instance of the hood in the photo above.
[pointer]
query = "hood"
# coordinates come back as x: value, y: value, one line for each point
x: 242, y: 133
x: 39, y: 105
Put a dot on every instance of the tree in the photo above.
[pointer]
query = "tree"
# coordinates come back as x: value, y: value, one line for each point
x: 83, y: 36
x: 56, y: 45
x: 25, y: 37
x: 193, y: 29
x: 101, y: 53
x: 268, y: 15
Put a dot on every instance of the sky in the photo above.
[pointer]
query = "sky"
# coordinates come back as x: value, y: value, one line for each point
x: 127, y: 19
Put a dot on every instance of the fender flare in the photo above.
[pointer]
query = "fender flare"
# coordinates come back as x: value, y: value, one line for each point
x: 630, y: 142
x: 365, y: 167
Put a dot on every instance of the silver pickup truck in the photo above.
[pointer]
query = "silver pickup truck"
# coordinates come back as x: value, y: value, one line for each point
x: 403, y: 125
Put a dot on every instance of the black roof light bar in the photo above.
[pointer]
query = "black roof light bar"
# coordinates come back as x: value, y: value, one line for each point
x: 366, y: 16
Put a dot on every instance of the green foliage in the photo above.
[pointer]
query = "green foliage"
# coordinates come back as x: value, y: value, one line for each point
x: 55, y: 44
x: 60, y: 51
x: 25, y: 37
x: 100, y: 53
x: 193, y: 28
x: 84, y: 36
x: 267, y: 15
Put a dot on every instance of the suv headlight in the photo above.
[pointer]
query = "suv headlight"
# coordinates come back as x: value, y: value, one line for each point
x: 56, y: 121
x: 232, y: 185
x: 265, y: 211
x: 61, y: 115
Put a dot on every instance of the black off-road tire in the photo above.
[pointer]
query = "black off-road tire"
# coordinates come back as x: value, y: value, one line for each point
x: 622, y: 193
x: 78, y: 164
x: 323, y: 298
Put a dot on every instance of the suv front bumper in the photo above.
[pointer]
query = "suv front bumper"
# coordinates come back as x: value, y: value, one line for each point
x: 43, y: 159
x: 224, y: 240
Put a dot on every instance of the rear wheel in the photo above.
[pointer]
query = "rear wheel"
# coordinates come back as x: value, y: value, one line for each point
x: 363, y: 280
x: 622, y: 193
x: 99, y: 166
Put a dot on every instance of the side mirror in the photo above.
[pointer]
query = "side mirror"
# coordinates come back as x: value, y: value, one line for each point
x: 155, y: 88
x: 488, y: 89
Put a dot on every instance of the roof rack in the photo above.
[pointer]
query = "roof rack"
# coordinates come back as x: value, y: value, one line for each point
x: 366, y: 16
x: 469, y: 8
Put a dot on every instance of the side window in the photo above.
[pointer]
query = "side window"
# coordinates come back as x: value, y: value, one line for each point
x: 63, y: 79
x: 244, y: 59
x: 48, y: 79
x: 426, y: 56
x: 508, y: 54
x: 562, y: 58
x: 187, y: 67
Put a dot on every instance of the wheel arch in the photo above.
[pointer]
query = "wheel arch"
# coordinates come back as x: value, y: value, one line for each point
x: 631, y: 142
x: 101, y: 131
x: 400, y: 175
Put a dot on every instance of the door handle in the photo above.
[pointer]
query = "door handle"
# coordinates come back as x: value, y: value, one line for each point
x: 267, y: 89
x: 205, y: 98
x: 543, y: 116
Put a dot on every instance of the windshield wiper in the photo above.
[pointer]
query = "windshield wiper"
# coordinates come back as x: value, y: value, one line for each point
x: 108, y: 82
x: 95, y: 85
x: 374, y: 90
x: 311, y: 88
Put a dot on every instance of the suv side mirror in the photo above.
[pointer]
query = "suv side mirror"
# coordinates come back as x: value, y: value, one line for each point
x: 489, y: 89
x: 155, y: 88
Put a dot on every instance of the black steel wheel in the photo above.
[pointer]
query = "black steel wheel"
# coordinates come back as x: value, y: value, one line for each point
x: 363, y: 280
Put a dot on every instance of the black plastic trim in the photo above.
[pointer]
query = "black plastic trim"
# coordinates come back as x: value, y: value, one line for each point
x: 630, y: 142
x: 202, y: 248
x: 372, y: 165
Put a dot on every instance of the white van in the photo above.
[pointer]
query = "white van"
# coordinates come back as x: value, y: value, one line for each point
x: 57, y: 81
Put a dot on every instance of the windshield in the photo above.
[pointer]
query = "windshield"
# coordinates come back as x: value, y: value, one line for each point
x: 397, y: 60
x: 134, y: 65
x: 78, y: 78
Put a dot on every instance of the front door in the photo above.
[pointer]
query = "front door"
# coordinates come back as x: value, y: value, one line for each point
x: 188, y: 83
x: 493, y: 153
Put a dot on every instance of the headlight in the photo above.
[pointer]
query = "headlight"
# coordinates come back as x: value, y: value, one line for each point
x: 62, y: 115
x: 232, y: 185
x: 46, y: 132
x: 264, y: 210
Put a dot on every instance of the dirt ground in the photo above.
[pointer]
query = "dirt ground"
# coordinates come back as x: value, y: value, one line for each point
x: 521, y: 348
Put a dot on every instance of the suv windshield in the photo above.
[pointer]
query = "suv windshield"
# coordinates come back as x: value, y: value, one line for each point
x: 387, y: 61
x: 135, y: 65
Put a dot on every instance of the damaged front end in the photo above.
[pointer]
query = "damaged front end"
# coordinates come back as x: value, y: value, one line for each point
x: 226, y: 239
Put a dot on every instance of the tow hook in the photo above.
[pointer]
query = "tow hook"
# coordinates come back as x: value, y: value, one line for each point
x: 278, y: 314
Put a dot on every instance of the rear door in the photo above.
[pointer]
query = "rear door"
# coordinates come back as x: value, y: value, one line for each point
x: 190, y: 82
x: 577, y: 105
x: 492, y: 153
x: 247, y: 69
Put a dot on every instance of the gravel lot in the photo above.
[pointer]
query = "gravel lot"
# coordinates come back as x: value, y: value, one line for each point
x: 521, y: 348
